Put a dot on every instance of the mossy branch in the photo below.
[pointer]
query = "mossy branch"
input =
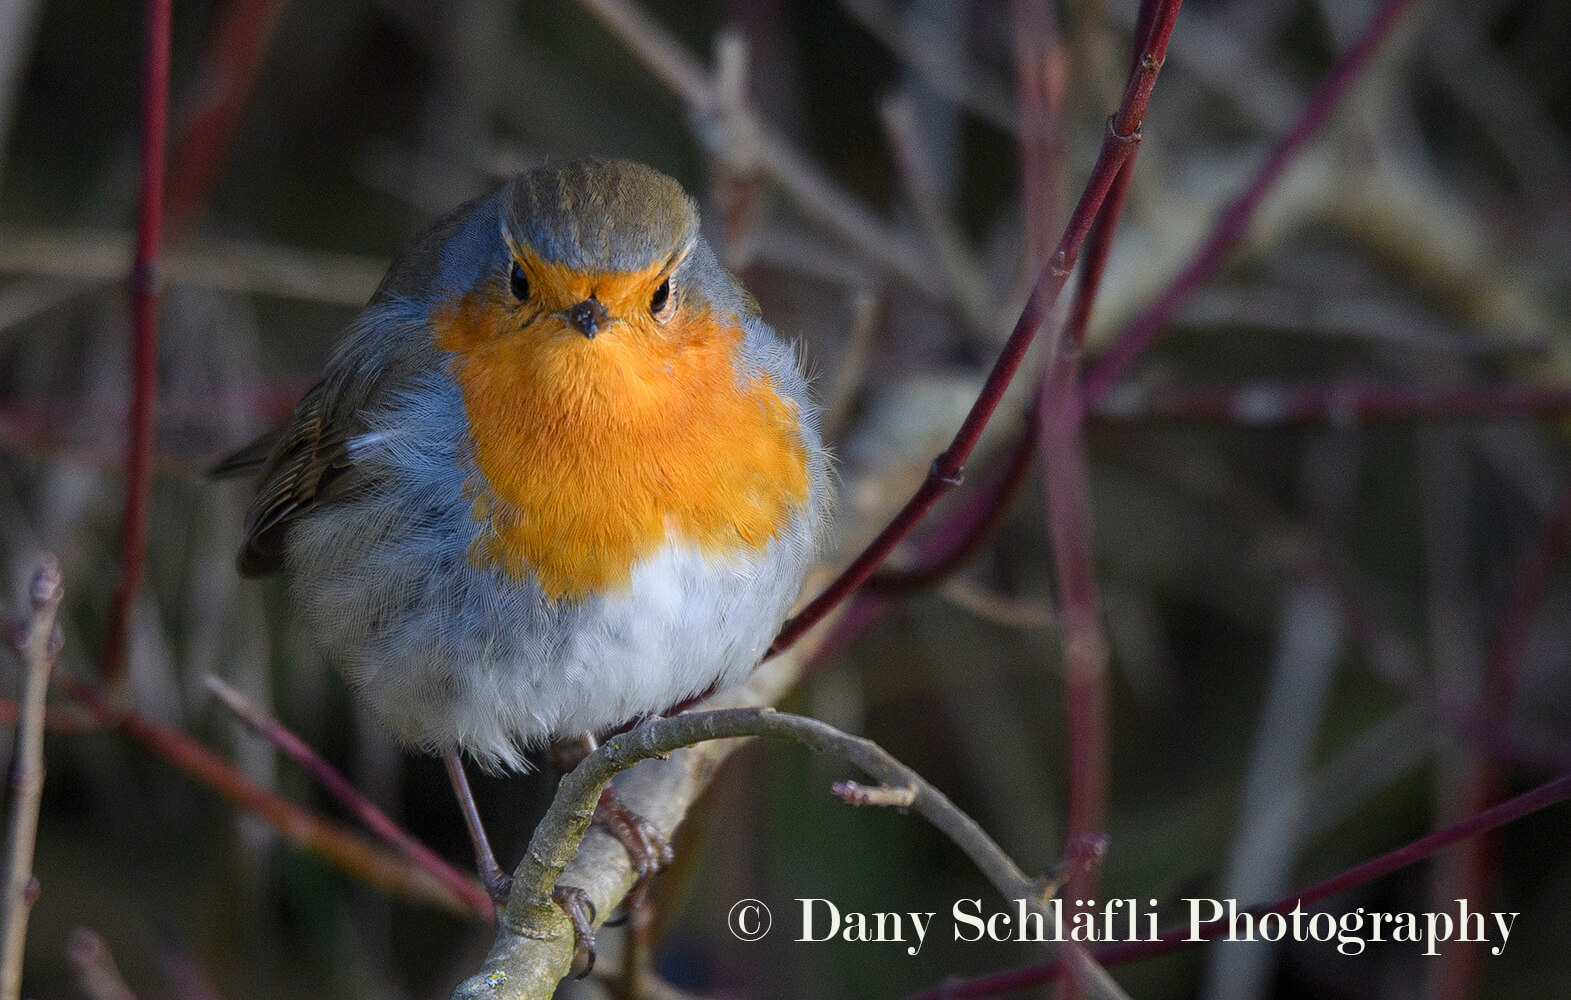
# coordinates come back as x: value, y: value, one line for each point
x: 534, y: 946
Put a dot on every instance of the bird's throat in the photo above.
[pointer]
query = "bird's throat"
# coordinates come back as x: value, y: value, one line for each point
x: 591, y: 455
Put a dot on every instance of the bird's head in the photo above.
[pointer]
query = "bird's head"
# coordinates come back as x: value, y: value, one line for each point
x: 588, y: 273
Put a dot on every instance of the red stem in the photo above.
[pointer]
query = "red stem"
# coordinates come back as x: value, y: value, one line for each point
x: 1039, y: 93
x: 1176, y: 938
x: 229, y: 73
x: 964, y: 531
x: 1123, y: 133
x: 355, y: 854
x: 1061, y: 447
x: 1471, y: 873
x: 144, y: 334
x: 1230, y: 227
x: 363, y: 809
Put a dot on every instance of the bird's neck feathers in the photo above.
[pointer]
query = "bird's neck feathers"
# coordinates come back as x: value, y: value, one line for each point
x: 594, y: 453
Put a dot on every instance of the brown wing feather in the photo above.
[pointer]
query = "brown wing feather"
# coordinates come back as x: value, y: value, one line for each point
x: 302, y: 464
x: 248, y: 460
x: 307, y: 462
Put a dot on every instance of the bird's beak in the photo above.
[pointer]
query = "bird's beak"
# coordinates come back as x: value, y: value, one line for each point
x: 587, y: 317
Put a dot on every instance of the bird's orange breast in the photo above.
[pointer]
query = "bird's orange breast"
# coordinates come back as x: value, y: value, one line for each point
x: 595, y: 453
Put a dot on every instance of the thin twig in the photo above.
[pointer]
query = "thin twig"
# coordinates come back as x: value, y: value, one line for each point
x: 1123, y: 134
x: 1039, y: 89
x: 938, y: 66
x: 963, y: 533
x: 913, y: 160
x: 1470, y: 874
x: 226, y: 264
x: 144, y: 336
x: 56, y: 720
x: 1001, y: 609
x: 1062, y: 461
x: 38, y: 639
x: 742, y: 138
x: 1228, y: 230
x: 841, y: 386
x: 96, y: 973
x: 1111, y: 365
x: 350, y: 797
x: 383, y: 869
x: 855, y: 794
x: 535, y: 947
x: 229, y: 72
x: 1183, y: 936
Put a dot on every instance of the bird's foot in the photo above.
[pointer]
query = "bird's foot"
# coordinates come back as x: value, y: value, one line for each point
x: 580, y: 910
x: 498, y: 884
x: 646, y: 847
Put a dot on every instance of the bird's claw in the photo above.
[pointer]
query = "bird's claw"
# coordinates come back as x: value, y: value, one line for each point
x: 646, y: 847
x: 580, y: 910
x: 498, y: 884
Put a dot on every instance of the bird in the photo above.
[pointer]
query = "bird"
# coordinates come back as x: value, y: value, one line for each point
x: 558, y: 476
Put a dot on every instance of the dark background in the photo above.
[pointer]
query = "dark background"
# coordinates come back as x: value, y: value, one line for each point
x: 1420, y: 243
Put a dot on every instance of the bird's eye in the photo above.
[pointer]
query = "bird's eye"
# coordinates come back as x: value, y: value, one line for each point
x: 519, y: 282
x: 660, y: 305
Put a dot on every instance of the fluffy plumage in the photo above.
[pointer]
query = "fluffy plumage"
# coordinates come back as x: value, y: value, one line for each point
x: 506, y: 531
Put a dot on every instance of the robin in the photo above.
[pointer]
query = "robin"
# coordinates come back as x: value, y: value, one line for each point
x: 558, y: 476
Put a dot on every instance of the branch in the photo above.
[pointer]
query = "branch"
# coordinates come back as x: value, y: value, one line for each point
x: 1229, y: 229
x: 1062, y: 461
x: 919, y: 181
x: 38, y: 640
x: 464, y: 886
x: 56, y: 720
x: 96, y: 973
x: 1111, y: 365
x: 229, y: 73
x: 740, y: 137
x: 534, y: 948
x: 363, y: 859
x: 1472, y: 871
x: 1123, y: 134
x: 1183, y: 936
x: 963, y: 533
x: 230, y: 265
x: 144, y: 335
x: 939, y: 67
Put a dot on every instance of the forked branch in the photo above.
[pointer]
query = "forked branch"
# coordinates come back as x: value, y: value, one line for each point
x: 534, y: 949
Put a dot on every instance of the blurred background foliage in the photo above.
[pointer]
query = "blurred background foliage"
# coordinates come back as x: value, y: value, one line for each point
x: 1299, y: 610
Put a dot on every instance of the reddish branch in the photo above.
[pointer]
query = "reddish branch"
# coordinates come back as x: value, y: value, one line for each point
x: 1061, y: 446
x: 363, y: 809
x: 1471, y: 873
x: 1183, y: 936
x: 1039, y: 90
x: 968, y: 528
x: 364, y: 859
x: 144, y: 333
x: 56, y: 720
x: 229, y: 72
x: 1230, y: 227
x: 1123, y: 133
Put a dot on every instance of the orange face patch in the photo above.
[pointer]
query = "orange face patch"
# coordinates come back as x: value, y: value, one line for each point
x: 596, y: 452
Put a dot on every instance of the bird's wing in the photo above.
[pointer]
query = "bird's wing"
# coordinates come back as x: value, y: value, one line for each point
x: 304, y: 464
